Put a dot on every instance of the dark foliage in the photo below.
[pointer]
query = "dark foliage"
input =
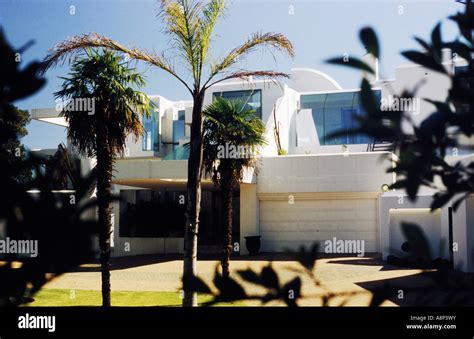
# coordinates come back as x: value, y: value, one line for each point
x: 55, y: 221
x: 422, y: 154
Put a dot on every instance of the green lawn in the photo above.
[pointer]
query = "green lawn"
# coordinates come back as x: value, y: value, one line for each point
x: 65, y: 297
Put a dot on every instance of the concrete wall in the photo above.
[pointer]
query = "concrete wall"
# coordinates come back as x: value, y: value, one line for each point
x: 470, y: 233
x: 354, y: 172
x: 307, y: 79
x: 150, y: 169
x: 429, y: 84
x: 248, y: 214
x: 286, y: 109
x: 463, y: 235
x: 398, y: 201
x: 429, y: 222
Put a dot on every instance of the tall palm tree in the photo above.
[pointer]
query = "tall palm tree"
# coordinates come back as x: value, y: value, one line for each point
x: 104, y: 77
x: 189, y: 25
x: 232, y: 136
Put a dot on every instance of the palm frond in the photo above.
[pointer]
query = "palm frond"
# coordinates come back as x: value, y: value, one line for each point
x: 70, y: 47
x: 182, y: 20
x: 211, y: 13
x: 247, y: 75
x: 229, y: 122
x: 277, y: 41
x: 103, y: 77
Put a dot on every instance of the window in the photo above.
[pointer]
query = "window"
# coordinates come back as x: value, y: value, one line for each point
x: 151, y: 136
x: 161, y: 213
x: 181, y: 115
x: 178, y: 129
x: 151, y: 213
x: 335, y: 112
x: 252, y: 99
x: 178, y: 132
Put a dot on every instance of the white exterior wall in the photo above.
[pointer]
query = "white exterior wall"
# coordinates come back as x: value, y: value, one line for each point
x: 248, y: 214
x: 149, y: 169
x: 429, y: 222
x: 167, y: 113
x: 463, y: 235
x: 309, y: 80
x: 286, y: 109
x: 356, y: 172
x: 430, y: 84
x: 312, y: 198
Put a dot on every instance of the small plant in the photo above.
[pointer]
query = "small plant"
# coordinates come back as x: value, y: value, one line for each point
x: 276, y: 133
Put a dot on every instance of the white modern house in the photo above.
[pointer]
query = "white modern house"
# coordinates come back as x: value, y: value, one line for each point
x: 324, y: 187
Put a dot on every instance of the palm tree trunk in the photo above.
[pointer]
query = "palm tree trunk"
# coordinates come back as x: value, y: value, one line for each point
x: 104, y: 177
x: 227, y: 248
x: 193, y: 200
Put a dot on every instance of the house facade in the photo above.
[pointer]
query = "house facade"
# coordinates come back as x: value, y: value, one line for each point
x: 323, y: 188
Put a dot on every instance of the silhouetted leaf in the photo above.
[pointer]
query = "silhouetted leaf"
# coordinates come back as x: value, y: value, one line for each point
x: 195, y: 284
x: 424, y: 60
x: 269, y: 297
x: 367, y: 98
x: 229, y: 289
x: 307, y: 258
x: 436, y: 38
x: 398, y: 184
x: 459, y: 48
x: 380, y: 295
x: 249, y: 275
x: 412, y: 186
x: 353, y: 63
x: 292, y: 291
x: 269, y: 278
x: 423, y: 43
x: 458, y: 202
x: 440, y: 199
x: 370, y: 41
x: 464, y: 21
x: 416, y: 239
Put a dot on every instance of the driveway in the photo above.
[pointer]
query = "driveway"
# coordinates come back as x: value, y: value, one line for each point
x: 352, y: 275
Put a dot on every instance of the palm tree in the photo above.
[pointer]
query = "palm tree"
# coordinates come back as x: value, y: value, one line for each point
x: 229, y: 125
x: 189, y: 25
x: 104, y: 77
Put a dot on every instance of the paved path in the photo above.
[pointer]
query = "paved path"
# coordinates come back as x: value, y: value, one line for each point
x: 163, y: 273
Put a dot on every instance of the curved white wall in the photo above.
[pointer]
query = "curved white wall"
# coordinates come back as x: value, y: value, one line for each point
x: 311, y: 80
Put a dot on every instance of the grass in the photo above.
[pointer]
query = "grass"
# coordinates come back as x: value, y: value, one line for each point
x: 66, y: 297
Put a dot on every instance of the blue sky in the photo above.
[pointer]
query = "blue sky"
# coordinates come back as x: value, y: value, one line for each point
x: 319, y: 29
